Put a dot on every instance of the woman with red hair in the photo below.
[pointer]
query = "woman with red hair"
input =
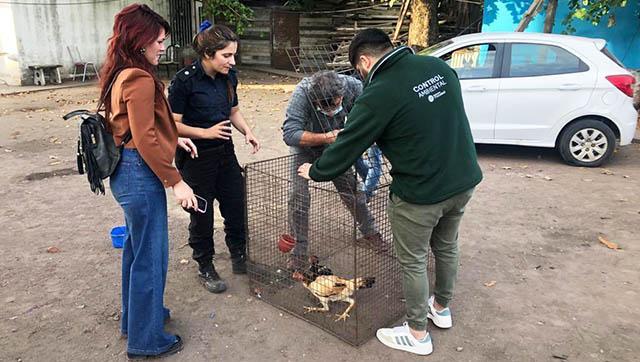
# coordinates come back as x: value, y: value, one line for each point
x: 139, y: 116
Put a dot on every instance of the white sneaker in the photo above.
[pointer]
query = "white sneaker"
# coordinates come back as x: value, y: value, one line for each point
x: 441, y: 319
x: 402, y: 339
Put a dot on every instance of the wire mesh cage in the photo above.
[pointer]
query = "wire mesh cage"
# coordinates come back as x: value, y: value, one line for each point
x: 334, y: 238
x: 313, y: 58
x: 336, y: 246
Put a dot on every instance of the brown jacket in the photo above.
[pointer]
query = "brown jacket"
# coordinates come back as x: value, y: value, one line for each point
x: 136, y: 104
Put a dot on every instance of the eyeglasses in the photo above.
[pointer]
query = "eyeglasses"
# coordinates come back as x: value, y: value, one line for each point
x: 328, y: 105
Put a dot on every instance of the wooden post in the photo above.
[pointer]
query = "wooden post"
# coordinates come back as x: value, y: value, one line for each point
x: 403, y: 13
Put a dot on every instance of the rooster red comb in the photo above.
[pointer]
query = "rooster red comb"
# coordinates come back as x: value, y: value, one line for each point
x: 297, y: 276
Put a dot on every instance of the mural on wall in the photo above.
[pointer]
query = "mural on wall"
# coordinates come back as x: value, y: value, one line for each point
x: 623, y: 38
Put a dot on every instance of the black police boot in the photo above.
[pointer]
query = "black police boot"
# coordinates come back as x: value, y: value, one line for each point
x: 239, y: 264
x: 211, y: 280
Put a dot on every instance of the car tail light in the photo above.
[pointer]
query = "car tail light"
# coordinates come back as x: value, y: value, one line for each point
x: 623, y: 82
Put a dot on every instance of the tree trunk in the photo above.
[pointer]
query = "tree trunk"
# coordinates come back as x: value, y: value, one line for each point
x: 423, y: 30
x: 533, y: 10
x: 550, y: 17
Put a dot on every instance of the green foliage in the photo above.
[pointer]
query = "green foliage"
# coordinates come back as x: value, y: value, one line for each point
x: 593, y: 11
x: 233, y: 12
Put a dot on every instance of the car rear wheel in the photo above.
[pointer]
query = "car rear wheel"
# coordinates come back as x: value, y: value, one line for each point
x: 588, y: 143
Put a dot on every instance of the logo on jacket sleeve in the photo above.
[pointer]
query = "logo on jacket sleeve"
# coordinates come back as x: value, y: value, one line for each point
x: 431, y: 88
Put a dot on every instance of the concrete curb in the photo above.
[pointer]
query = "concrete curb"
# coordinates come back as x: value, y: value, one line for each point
x: 285, y: 73
x: 34, y: 89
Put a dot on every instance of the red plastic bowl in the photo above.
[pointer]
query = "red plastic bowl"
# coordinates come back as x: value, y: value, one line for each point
x: 286, y: 243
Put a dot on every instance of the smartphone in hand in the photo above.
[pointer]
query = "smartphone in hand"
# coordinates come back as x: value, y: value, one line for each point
x: 202, y: 204
x: 200, y: 207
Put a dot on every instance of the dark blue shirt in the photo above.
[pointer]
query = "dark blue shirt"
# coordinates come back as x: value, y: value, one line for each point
x: 202, y: 100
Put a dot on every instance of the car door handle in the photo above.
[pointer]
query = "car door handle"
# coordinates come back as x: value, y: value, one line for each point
x: 569, y: 87
x: 476, y: 88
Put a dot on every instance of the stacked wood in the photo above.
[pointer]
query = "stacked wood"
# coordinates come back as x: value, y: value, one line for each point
x: 330, y: 26
x: 255, y: 43
x: 457, y: 18
x: 380, y: 15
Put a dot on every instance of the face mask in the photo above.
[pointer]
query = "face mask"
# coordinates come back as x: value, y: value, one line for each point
x: 331, y: 113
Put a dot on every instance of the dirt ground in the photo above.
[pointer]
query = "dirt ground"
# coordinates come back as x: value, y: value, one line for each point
x: 535, y: 283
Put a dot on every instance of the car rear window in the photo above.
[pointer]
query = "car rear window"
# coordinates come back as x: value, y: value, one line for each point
x: 610, y: 55
x: 529, y: 60
x: 473, y: 62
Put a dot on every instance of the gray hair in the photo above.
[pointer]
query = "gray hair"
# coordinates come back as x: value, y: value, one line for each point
x: 326, y: 85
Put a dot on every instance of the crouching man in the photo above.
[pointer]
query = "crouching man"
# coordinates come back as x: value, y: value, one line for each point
x: 316, y: 113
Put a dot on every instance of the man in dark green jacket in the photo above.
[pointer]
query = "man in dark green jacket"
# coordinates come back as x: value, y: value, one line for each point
x: 411, y: 106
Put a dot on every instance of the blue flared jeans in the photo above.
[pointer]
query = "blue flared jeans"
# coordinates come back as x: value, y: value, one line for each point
x: 145, y: 255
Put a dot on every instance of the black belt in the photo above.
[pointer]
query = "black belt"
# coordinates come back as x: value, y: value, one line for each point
x: 222, y: 149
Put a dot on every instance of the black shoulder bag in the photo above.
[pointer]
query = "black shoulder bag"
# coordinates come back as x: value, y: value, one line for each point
x: 97, y: 153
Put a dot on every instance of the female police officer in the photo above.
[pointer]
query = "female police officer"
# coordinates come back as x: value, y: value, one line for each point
x: 205, y: 105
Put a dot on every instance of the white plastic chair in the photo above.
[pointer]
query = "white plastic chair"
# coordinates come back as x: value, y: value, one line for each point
x: 79, y: 63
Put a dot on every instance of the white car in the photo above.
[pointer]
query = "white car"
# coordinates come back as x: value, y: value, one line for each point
x: 543, y: 90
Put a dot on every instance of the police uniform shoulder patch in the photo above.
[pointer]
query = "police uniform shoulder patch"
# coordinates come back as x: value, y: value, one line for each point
x: 186, y: 72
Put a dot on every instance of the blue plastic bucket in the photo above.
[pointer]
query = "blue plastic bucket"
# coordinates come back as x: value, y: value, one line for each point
x: 118, y: 234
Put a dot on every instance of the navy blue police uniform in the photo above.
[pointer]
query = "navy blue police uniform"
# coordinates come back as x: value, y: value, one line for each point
x: 205, y: 101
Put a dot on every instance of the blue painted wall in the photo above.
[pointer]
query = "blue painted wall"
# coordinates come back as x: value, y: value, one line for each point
x: 623, y: 38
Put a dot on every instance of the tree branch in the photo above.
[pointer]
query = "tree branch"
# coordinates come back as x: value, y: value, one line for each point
x: 533, y: 10
x: 550, y: 17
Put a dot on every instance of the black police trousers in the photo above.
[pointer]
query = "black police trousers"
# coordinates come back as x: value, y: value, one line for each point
x: 215, y: 175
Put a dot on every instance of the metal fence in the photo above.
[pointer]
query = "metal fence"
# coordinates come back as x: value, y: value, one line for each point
x: 313, y: 58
